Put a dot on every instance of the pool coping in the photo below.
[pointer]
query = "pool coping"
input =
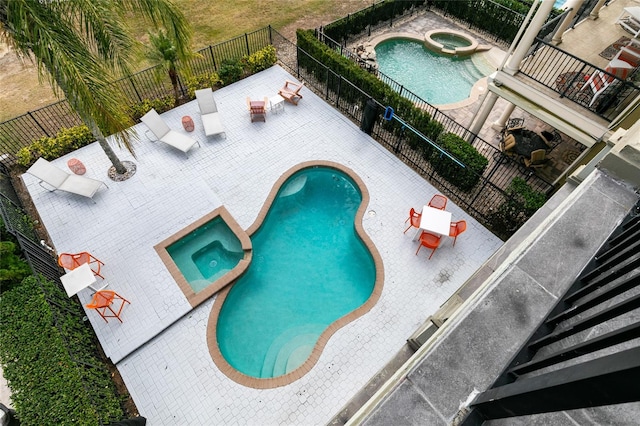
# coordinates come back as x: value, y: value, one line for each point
x: 286, y: 379
x: 196, y: 298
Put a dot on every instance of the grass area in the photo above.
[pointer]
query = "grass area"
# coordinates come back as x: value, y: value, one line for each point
x: 212, y: 22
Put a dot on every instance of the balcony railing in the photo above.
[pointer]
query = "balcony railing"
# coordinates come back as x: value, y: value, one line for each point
x: 568, y: 76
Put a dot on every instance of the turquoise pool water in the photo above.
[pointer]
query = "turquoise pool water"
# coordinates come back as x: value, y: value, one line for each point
x: 207, y: 253
x: 437, y: 79
x: 309, y: 268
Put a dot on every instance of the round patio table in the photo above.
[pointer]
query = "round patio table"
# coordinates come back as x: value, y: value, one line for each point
x: 527, y: 141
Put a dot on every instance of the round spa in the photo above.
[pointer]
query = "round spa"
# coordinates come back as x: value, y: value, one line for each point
x: 450, y: 42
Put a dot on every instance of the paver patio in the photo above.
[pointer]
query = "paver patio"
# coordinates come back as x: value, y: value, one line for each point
x: 161, y: 349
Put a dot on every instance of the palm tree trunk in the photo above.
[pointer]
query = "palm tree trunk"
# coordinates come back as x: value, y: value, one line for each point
x: 173, y: 75
x: 117, y: 164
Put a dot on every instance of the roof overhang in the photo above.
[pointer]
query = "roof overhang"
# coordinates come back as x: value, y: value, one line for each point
x: 574, y: 124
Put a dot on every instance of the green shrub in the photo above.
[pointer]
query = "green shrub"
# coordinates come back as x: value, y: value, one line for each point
x: 202, y: 81
x: 65, y: 141
x: 231, y: 71
x: 463, y: 177
x: 160, y: 104
x: 260, y: 60
x: 13, y: 267
x: 47, y: 385
x: 521, y: 202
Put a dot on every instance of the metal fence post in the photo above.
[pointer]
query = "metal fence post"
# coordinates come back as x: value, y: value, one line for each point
x: 36, y: 121
x: 246, y: 40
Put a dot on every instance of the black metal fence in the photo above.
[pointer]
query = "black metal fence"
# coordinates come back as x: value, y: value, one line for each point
x: 47, y: 121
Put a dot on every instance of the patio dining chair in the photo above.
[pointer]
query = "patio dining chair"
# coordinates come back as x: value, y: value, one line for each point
x: 105, y: 300
x: 429, y: 240
x: 438, y: 202
x: 414, y: 217
x: 537, y: 160
x: 71, y: 261
x: 457, y: 228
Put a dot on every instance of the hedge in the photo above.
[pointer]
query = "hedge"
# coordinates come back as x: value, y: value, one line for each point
x: 46, y: 384
x: 466, y: 177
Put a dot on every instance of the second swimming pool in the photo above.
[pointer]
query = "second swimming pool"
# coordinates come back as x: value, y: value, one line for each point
x: 438, y: 79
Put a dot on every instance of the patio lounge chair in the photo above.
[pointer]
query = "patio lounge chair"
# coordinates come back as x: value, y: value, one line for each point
x: 163, y: 133
x: 209, y: 113
x: 59, y: 179
x: 291, y: 91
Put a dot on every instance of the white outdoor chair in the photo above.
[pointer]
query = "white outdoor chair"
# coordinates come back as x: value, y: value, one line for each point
x: 163, y: 133
x: 209, y: 113
x: 59, y: 179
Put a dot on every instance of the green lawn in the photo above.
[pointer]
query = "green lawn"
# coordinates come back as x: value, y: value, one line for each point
x: 212, y: 22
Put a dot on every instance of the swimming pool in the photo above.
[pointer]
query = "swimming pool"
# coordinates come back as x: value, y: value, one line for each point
x: 312, y: 271
x: 559, y: 4
x: 438, y: 79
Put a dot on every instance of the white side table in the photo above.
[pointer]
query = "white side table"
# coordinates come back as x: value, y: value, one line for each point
x: 79, y: 279
x: 276, y: 103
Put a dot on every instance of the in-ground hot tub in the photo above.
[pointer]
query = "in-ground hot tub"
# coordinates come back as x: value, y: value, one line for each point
x: 450, y: 42
x: 207, y: 255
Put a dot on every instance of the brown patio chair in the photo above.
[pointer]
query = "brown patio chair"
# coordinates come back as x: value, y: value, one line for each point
x: 257, y: 109
x: 291, y: 91
x: 538, y: 159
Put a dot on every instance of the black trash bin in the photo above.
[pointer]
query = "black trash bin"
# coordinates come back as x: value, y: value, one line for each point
x: 369, y: 116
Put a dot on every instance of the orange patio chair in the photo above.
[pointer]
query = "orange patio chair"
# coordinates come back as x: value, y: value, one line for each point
x: 457, y: 228
x: 438, y: 202
x: 429, y: 240
x: 72, y: 261
x: 414, y: 217
x: 103, y: 301
x: 291, y: 91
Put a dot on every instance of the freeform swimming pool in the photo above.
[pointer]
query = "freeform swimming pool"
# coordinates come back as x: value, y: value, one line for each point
x: 311, y: 268
x: 438, y: 79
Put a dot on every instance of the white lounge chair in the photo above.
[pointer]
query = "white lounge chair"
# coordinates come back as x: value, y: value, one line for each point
x: 163, y: 133
x: 209, y: 113
x: 59, y: 179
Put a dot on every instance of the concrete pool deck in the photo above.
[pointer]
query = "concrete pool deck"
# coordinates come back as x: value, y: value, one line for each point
x: 161, y: 349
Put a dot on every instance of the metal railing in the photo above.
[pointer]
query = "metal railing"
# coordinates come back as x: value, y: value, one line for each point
x: 568, y: 76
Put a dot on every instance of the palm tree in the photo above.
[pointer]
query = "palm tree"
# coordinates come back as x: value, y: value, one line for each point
x: 163, y: 53
x: 80, y: 46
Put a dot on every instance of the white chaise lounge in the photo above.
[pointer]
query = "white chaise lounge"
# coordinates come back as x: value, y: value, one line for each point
x: 209, y: 113
x: 59, y: 179
x: 163, y: 133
